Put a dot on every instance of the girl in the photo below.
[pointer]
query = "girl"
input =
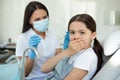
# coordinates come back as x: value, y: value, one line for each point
x: 85, y: 58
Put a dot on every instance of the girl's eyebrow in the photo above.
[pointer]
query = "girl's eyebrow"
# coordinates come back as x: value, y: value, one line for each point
x: 81, y: 30
x: 78, y: 30
x: 71, y: 30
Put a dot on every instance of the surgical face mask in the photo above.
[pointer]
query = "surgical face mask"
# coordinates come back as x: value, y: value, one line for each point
x: 41, y: 25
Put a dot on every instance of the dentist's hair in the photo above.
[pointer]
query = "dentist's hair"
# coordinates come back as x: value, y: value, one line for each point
x: 31, y: 7
x: 91, y: 25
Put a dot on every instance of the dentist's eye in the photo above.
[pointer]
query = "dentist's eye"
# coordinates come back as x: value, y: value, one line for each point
x: 37, y: 19
x: 44, y: 17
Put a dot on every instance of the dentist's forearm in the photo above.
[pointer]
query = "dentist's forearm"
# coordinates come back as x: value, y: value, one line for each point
x: 28, y: 66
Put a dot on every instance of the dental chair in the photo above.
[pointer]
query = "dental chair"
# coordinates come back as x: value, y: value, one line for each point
x: 111, y: 66
x: 14, y: 70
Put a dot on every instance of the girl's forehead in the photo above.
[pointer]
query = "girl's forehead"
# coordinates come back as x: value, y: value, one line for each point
x: 76, y: 25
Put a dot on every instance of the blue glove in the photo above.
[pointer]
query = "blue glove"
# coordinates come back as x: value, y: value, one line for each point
x: 33, y: 42
x: 66, y: 40
x: 32, y: 55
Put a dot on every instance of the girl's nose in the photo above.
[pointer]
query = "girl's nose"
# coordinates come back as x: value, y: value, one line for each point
x: 76, y: 36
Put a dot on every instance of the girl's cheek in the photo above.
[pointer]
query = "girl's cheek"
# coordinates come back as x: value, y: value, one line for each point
x: 71, y: 38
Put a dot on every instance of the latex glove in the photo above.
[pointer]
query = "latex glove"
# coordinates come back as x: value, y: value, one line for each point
x: 32, y: 54
x: 66, y: 40
x: 33, y: 42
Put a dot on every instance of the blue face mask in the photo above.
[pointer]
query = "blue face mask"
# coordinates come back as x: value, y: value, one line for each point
x: 41, y: 25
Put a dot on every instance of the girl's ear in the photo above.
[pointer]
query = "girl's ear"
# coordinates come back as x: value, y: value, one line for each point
x: 93, y: 35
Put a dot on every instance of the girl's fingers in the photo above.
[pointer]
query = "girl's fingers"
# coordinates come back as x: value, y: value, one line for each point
x: 77, y: 45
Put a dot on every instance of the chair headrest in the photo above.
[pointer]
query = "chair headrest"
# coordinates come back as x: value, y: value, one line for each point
x: 111, y: 43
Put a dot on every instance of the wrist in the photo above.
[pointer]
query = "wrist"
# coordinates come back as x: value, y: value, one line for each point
x: 69, y: 52
x: 66, y: 53
x: 32, y: 55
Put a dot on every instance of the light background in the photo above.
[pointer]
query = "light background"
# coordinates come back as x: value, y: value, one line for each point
x: 12, y: 11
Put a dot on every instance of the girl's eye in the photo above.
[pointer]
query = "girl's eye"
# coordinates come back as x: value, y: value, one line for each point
x: 72, y: 32
x: 82, y: 33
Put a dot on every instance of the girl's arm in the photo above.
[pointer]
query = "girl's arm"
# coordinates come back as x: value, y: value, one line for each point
x: 76, y: 74
x: 58, y: 50
x: 74, y: 47
x: 51, y: 63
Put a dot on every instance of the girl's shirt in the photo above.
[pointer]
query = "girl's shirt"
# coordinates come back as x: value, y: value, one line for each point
x: 85, y: 60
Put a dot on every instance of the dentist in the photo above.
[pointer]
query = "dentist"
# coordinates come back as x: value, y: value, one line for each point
x: 36, y: 34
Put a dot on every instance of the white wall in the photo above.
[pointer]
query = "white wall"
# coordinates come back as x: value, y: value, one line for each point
x: 10, y: 19
x: 11, y: 16
x: 102, y: 7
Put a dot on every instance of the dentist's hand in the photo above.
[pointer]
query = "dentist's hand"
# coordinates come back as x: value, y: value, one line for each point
x: 33, y: 42
x: 66, y: 40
